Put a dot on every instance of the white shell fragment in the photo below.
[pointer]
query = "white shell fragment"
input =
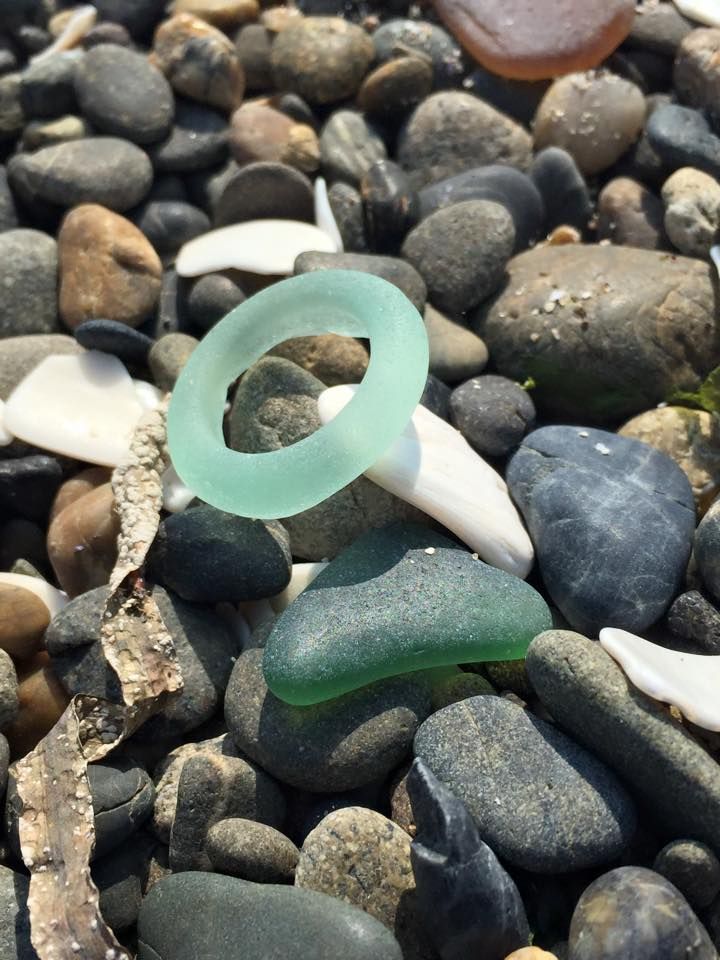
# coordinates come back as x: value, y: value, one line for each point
x: 706, y: 12
x: 5, y: 436
x: 433, y: 467
x: 268, y: 247
x: 78, y: 26
x: 301, y: 577
x: 83, y: 406
x: 176, y: 496
x: 688, y: 681
x: 324, y: 217
x: 53, y: 599
x: 149, y: 397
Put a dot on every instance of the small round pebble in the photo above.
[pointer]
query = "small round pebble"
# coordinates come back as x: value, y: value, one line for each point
x: 697, y: 72
x: 693, y: 868
x: 124, y: 95
x: 425, y: 40
x: 265, y: 190
x: 630, y: 215
x: 492, y: 413
x: 456, y: 353
x: 168, y: 356
x: 254, y: 45
x: 595, y: 116
x: 28, y: 279
x: 692, y: 211
x: 324, y: 59
x: 461, y: 252
x: 168, y: 224
x: 682, y: 137
x: 347, y: 208
x: 211, y: 298
x: 252, y: 851
x: 23, y: 619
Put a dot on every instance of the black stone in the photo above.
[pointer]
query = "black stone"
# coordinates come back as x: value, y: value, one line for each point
x: 120, y: 878
x: 197, y: 140
x: 392, y: 269
x: 682, y: 138
x: 436, y: 397
x: 265, y: 190
x: 492, y: 413
x: 191, y: 915
x: 47, y: 87
x: 349, y: 146
x: 470, y: 904
x: 396, y: 37
x: 693, y: 868
x: 563, y: 189
x: 391, y: 205
x: 347, y: 207
x: 519, y: 99
x: 168, y: 224
x: 140, y: 17
x: 109, y: 336
x: 504, y: 185
x: 206, y: 555
x: 28, y: 485
x: 211, y: 298
x: 612, y: 522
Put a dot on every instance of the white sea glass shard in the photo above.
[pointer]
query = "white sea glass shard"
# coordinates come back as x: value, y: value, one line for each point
x: 268, y: 247
x: 83, y: 406
x: 176, y: 496
x: 688, y: 681
x: 706, y: 12
x: 432, y: 466
x: 53, y: 599
x: 324, y: 216
x: 5, y: 436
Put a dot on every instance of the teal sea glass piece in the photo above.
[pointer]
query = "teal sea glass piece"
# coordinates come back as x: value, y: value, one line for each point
x: 398, y: 600
x: 284, y: 482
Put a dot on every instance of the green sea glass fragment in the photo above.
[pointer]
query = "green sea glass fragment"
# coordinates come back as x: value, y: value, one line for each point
x: 398, y: 600
x: 284, y: 482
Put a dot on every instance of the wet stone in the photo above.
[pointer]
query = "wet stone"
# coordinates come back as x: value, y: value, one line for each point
x: 391, y: 205
x: 563, y: 189
x: 349, y: 147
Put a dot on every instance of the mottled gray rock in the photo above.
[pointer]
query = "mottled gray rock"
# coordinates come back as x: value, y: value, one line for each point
x: 635, y: 913
x: 693, y: 619
x: 8, y: 690
x: 540, y: 801
x: 251, y: 851
x: 492, y: 413
x: 349, y: 147
x: 47, y: 86
x: 605, y: 332
x: 396, y: 271
x: 28, y: 279
x: 274, y: 406
x: 200, y: 914
x: 612, y: 522
x: 347, y: 207
x: 337, y: 745
x: 664, y: 766
x: 168, y: 356
x: 693, y: 868
x: 456, y: 353
x: 692, y: 211
x: 468, y: 903
x: 461, y: 251
x: 8, y: 213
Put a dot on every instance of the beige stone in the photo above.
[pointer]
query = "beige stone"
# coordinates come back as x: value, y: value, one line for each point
x: 225, y: 14
x: 108, y: 269
x: 329, y: 357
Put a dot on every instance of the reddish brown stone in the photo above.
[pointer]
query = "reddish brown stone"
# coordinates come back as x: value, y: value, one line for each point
x: 82, y: 541
x: 23, y: 619
x: 108, y: 268
x: 77, y: 487
x: 537, y: 39
x: 42, y: 699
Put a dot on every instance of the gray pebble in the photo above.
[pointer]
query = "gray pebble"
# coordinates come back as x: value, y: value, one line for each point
x: 349, y: 147
x: 695, y: 620
x: 265, y: 190
x: 28, y: 279
x: 693, y: 868
x: 347, y: 207
x: 492, y: 413
x: 692, y: 211
x: 211, y: 298
x: 402, y: 274
x: 8, y: 212
x: 456, y: 353
x: 168, y: 356
x: 252, y: 851
x: 168, y: 224
x: 120, y: 878
x: 707, y: 549
x: 396, y: 37
x: 12, y: 117
x: 15, y: 943
x: 198, y: 140
x: 48, y: 87
x: 254, y: 46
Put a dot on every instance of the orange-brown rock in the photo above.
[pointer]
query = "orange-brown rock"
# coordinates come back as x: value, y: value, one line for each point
x: 199, y: 61
x: 108, y: 269
x: 395, y: 87
x: 42, y: 699
x: 224, y: 14
x: 77, y: 486
x: 259, y: 132
x: 329, y: 357
x: 82, y: 541
x: 531, y: 953
x: 537, y: 39
x: 23, y: 619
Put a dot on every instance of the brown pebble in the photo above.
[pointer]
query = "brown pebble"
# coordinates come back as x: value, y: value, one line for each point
x: 697, y: 69
x: 595, y: 116
x: 395, y: 87
x: 630, y: 215
x: 530, y: 953
x: 534, y: 41
x: 42, y: 700
x: 563, y: 235
x: 259, y: 132
x: 199, y: 61
x: 23, y: 619
x: 329, y: 357
x: 107, y: 268
x: 224, y: 14
x: 277, y: 19
x: 82, y: 541
x: 78, y: 486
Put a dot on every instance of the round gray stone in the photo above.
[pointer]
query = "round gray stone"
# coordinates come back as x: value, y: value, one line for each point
x: 28, y: 280
x: 252, y: 851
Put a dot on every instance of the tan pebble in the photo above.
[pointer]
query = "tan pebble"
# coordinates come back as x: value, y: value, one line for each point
x: 531, y: 953
x: 78, y: 486
x: 224, y: 14
x: 23, y: 619
x: 329, y: 357
x: 42, y: 700
x: 395, y: 87
x: 277, y: 19
x: 563, y: 235
x: 259, y: 132
x: 107, y: 268
x: 82, y: 541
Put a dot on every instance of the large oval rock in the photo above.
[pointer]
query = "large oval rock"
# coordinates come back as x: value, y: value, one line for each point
x: 605, y: 332
x: 611, y: 520
x: 399, y: 599
x: 636, y: 914
x: 28, y: 279
x: 339, y: 745
x: 254, y: 921
x: 540, y: 801
x: 665, y: 767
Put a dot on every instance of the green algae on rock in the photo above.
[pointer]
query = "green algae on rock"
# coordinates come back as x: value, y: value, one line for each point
x: 399, y: 599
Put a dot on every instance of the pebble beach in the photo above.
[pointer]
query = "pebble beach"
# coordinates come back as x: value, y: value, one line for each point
x: 465, y: 706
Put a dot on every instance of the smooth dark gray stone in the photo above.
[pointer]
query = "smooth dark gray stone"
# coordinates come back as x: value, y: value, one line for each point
x: 116, y: 338
x: 492, y: 413
x: 565, y: 194
x: 349, y: 147
x: 28, y: 485
x: 190, y: 916
x: 47, y: 87
x: 197, y: 140
x: 683, y: 138
x: 168, y: 224
x: 693, y: 868
x: 470, y: 904
x: 15, y: 941
x: 612, y: 522
x: 265, y: 190
x: 425, y: 38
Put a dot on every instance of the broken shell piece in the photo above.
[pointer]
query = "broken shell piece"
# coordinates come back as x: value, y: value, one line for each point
x: 324, y: 217
x: 702, y: 11
x: 53, y: 599
x: 80, y: 23
x: 433, y: 467
x: 268, y: 247
x: 5, y: 436
x: 83, y: 406
x: 301, y: 577
x: 688, y: 681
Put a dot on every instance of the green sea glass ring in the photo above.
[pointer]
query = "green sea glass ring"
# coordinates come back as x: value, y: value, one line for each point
x: 281, y: 483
